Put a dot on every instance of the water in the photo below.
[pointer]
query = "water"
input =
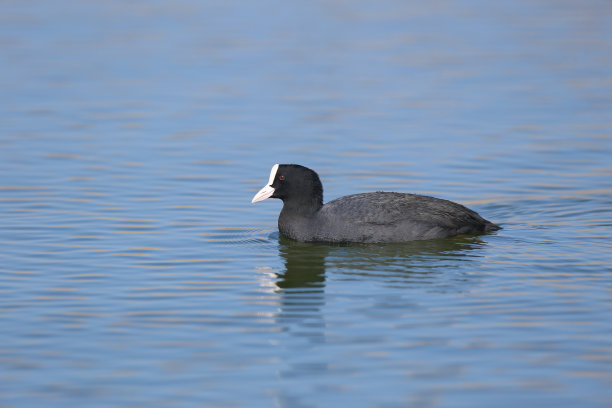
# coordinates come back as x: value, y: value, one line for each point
x: 134, y: 271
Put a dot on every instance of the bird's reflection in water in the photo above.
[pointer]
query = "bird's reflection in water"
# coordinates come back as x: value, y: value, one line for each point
x: 427, y: 262
x: 302, y: 283
x: 301, y: 286
x: 306, y: 263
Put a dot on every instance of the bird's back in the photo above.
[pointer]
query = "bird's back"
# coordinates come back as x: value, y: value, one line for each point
x: 394, y: 217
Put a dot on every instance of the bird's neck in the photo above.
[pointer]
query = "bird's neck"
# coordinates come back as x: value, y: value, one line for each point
x: 303, y: 208
x: 296, y: 219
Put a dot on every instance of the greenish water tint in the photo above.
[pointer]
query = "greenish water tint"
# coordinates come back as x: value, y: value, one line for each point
x: 135, y: 272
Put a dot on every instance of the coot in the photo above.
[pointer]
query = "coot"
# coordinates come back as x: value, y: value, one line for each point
x: 367, y: 217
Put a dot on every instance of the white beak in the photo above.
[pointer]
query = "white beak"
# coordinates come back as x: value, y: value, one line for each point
x: 262, y: 194
x: 268, y: 190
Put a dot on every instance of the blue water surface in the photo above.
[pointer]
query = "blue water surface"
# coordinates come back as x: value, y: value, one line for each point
x: 134, y: 271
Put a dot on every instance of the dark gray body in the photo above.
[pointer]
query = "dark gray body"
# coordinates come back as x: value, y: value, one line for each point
x: 381, y: 217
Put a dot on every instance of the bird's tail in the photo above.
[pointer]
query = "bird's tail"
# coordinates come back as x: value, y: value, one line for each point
x: 489, y: 227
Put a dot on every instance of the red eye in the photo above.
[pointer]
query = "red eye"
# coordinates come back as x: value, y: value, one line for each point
x: 281, y: 178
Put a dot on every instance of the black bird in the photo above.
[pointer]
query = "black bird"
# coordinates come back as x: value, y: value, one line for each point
x: 367, y: 217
